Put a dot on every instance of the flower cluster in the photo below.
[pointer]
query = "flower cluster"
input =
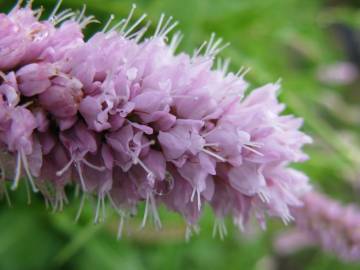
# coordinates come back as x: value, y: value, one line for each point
x: 126, y: 118
x: 333, y: 226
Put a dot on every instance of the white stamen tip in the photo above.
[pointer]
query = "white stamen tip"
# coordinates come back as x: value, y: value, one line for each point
x: 17, y: 172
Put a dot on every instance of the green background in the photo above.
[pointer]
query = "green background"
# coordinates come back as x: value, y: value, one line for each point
x: 288, y: 39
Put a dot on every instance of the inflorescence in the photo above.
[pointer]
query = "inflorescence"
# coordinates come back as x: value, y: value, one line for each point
x: 125, y: 118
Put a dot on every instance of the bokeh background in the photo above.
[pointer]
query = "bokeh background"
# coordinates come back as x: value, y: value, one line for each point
x: 313, y: 46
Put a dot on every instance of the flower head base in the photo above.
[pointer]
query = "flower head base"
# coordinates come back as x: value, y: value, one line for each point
x: 128, y: 120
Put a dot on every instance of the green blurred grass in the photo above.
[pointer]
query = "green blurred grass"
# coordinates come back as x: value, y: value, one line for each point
x: 275, y: 38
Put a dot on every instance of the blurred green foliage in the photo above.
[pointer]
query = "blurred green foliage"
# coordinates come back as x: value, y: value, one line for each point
x: 275, y: 38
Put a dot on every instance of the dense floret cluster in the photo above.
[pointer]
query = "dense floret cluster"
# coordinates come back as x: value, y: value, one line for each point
x: 127, y: 119
x: 331, y: 225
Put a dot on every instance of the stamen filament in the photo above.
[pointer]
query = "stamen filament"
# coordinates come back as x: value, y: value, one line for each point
x: 92, y: 166
x: 213, y: 155
x: 128, y: 18
x: 143, y: 223
x: 28, y: 173
x: 120, y: 227
x: 198, y: 196
x: 82, y: 180
x: 155, y: 213
x: 17, y: 172
x: 66, y: 167
x: 81, y: 206
x: 158, y: 27
x: 82, y: 14
x: 135, y: 25
x: 108, y: 23
x: 253, y: 150
x: 175, y: 41
x: 56, y: 8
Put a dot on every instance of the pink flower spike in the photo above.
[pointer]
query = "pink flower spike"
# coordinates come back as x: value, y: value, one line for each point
x: 126, y: 119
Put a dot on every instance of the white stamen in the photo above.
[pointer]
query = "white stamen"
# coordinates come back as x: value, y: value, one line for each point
x: 64, y: 15
x: 117, y: 25
x: 198, y: 196
x: 96, y: 219
x: 139, y: 34
x: 27, y: 104
x: 238, y: 73
x: 108, y: 23
x: 223, y: 66
x: 209, y: 46
x: 82, y: 14
x: 155, y: 213
x: 113, y: 203
x: 60, y: 199
x: 218, y: 50
x: 151, y: 142
x: 79, y: 170
x: 88, y: 20
x: 217, y: 43
x: 66, y: 167
x: 17, y: 6
x: 158, y: 27
x: 219, y: 226
x: 212, y: 48
x: 239, y: 222
x: 198, y: 50
x: 150, y: 174
x: 29, y: 4
x: 215, y: 228
x: 92, y: 166
x: 143, y: 223
x: 242, y: 72
x: 27, y: 170
x: 165, y: 25
x: 188, y: 233
x: 167, y: 29
x: 81, y: 207
x: 175, y: 41
x: 3, y: 76
x: 120, y: 227
x: 135, y: 25
x: 224, y: 229
x: 103, y: 208
x: 213, y: 155
x: 128, y: 19
x: 17, y: 172
x: 100, y: 208
x: 287, y: 218
x: 55, y: 10
x: 264, y: 196
x: 38, y: 12
x: 54, y: 204
x: 190, y: 230
x: 82, y: 180
x: 248, y: 147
